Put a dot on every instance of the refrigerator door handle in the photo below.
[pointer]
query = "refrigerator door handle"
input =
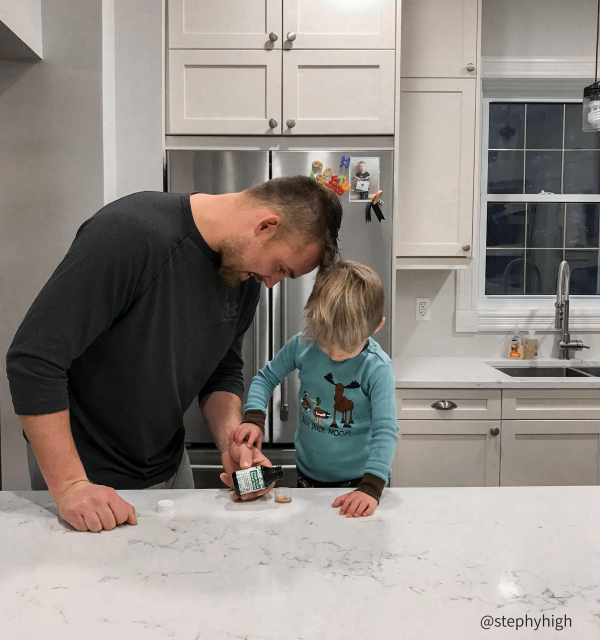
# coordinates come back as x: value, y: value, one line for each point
x: 284, y: 411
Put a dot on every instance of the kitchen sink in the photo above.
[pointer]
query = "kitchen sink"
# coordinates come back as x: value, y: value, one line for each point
x: 549, y: 372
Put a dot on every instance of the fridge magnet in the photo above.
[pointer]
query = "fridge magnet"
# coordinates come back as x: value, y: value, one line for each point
x: 364, y: 178
x: 317, y: 167
x: 345, y: 162
x: 375, y: 205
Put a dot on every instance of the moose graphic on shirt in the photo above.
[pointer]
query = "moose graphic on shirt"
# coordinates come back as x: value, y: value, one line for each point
x: 341, y: 404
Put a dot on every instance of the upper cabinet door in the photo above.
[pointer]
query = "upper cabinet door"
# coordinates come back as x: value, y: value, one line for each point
x: 225, y: 24
x: 436, y: 164
x: 331, y: 24
x: 224, y: 92
x: 439, y: 38
x: 338, y: 92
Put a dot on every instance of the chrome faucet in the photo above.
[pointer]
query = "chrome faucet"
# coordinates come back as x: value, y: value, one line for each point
x: 561, y: 319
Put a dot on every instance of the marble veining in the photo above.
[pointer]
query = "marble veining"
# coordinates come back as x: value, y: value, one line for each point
x: 478, y: 373
x: 429, y: 564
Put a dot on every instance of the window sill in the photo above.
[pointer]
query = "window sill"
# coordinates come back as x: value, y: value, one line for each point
x: 582, y: 319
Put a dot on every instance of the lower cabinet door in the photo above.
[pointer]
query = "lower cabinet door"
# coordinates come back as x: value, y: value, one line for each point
x: 447, y: 453
x: 550, y: 452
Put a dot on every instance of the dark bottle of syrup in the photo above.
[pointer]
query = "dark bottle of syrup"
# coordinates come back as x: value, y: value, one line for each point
x: 255, y: 478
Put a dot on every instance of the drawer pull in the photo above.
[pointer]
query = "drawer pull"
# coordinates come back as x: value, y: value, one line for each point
x: 494, y: 431
x: 444, y: 405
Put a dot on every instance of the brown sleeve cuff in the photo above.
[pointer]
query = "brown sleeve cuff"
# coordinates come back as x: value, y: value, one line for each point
x: 371, y: 485
x: 255, y: 416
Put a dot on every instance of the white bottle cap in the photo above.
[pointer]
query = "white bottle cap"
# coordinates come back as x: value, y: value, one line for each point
x: 166, y: 506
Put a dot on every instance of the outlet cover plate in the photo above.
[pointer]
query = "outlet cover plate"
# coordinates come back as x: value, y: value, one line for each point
x: 423, y: 309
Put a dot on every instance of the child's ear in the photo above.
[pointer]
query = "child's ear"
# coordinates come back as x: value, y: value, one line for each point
x: 380, y: 325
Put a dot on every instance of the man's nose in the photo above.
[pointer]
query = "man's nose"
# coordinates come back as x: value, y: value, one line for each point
x: 271, y: 281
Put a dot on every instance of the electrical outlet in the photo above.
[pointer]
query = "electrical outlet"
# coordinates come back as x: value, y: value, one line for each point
x: 423, y: 309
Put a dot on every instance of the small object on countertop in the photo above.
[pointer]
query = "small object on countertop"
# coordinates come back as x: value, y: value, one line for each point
x: 345, y: 162
x: 165, y: 506
x: 255, y: 478
x: 530, y: 348
x: 515, y: 345
x: 283, y: 495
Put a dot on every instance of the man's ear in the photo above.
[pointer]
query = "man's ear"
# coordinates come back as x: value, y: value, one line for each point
x: 267, y: 225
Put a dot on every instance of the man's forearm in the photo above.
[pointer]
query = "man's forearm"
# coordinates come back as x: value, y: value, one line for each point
x: 52, y: 442
x: 222, y: 412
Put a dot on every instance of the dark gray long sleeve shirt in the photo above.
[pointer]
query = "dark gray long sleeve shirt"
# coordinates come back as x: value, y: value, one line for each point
x: 133, y: 325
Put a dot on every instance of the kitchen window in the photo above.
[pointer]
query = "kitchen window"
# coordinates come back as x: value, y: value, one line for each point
x: 540, y: 202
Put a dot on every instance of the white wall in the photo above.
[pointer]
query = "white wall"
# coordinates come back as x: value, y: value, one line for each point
x: 24, y: 18
x: 51, y: 178
x: 537, y: 28
x: 438, y: 338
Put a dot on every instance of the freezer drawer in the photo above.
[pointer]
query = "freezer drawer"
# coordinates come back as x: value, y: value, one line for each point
x: 206, y: 466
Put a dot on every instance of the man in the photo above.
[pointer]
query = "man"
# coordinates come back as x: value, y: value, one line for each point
x: 146, y: 312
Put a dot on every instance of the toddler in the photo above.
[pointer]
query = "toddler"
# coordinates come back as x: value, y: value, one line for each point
x: 348, y: 421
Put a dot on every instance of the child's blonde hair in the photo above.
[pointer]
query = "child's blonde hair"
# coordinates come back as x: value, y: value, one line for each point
x: 345, y: 306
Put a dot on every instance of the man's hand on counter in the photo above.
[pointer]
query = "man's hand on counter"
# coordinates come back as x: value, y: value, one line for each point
x: 93, y: 507
x: 239, y: 456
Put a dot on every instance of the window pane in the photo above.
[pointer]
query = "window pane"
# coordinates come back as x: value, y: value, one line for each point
x: 575, y: 137
x: 583, y: 225
x: 582, y: 172
x: 505, y: 172
x: 584, y: 271
x: 545, y: 224
x: 506, y: 224
x: 504, y: 272
x: 507, y: 121
x: 542, y: 271
x: 544, y: 126
x: 543, y: 171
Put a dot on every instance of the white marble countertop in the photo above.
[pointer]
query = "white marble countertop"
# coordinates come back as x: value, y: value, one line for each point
x: 464, y: 373
x: 429, y: 564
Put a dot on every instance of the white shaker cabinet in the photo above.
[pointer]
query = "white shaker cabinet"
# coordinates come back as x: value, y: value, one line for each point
x: 550, y: 452
x: 225, y: 24
x: 338, y: 92
x: 330, y: 24
x: 224, y: 92
x: 436, y: 167
x: 448, y: 438
x: 439, y: 38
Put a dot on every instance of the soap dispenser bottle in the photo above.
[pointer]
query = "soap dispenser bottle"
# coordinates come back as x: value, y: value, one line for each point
x: 515, y: 343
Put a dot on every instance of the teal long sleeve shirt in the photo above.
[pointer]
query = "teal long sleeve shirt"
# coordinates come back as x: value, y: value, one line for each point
x: 348, y: 419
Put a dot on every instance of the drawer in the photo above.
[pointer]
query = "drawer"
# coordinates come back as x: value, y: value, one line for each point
x: 471, y: 404
x: 551, y: 404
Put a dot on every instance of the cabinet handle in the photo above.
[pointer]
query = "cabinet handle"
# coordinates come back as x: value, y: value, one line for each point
x: 273, y: 123
x: 444, y: 405
x: 291, y: 36
x: 273, y: 37
x: 495, y: 431
x: 466, y: 247
x: 291, y: 123
x: 470, y: 67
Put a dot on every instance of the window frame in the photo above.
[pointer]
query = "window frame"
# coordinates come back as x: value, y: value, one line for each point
x: 524, y: 305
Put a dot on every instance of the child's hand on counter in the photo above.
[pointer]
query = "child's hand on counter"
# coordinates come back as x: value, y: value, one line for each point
x: 355, y: 504
x: 252, y: 433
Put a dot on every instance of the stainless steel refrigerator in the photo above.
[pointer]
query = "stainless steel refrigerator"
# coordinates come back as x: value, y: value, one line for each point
x: 279, y: 314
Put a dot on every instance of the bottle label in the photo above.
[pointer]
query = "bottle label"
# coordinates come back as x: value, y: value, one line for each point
x: 250, y: 480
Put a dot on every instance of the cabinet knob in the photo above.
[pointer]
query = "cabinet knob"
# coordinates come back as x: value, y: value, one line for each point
x: 444, y: 405
x: 273, y: 123
x: 273, y: 37
x: 291, y: 123
x: 466, y: 247
x: 495, y: 431
x: 470, y: 67
x: 291, y: 36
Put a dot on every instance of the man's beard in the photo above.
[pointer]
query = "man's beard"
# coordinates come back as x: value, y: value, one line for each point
x: 231, y: 270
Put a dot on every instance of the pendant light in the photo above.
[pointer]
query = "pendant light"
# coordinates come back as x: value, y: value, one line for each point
x: 591, y: 94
